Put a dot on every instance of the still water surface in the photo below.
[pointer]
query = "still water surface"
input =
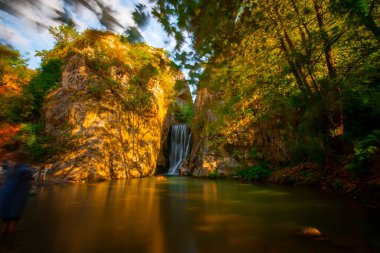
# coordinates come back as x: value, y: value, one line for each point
x: 183, y: 215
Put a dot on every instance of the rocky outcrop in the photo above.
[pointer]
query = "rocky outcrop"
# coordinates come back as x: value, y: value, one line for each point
x: 222, y: 148
x: 208, y: 155
x: 110, y: 117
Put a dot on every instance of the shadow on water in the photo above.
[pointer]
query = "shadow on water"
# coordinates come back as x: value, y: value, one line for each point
x: 189, y: 215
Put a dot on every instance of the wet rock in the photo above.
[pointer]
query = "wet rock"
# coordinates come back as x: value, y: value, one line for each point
x: 310, y: 232
x: 161, y: 178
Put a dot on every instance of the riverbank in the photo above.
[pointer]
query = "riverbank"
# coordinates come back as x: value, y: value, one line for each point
x: 335, y: 178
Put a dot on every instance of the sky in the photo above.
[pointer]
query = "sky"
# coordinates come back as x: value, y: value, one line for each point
x: 24, y: 23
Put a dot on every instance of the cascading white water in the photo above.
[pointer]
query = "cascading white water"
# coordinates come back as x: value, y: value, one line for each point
x: 179, y: 147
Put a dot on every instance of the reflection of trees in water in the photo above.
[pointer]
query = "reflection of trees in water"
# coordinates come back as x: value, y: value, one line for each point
x: 173, y: 215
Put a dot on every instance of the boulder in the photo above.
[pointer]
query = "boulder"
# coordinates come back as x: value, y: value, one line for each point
x: 310, y: 232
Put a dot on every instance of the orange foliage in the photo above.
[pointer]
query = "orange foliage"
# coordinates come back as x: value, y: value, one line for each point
x: 6, y: 132
x: 12, y: 84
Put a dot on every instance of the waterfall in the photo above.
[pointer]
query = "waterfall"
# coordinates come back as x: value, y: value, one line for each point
x: 179, y: 147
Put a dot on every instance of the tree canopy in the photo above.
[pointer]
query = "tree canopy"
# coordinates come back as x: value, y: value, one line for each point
x: 312, y: 64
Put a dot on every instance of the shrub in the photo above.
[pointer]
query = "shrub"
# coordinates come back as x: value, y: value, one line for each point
x: 364, y: 151
x: 97, y: 89
x: 337, y: 183
x: 138, y: 99
x: 28, y: 138
x: 255, y: 173
x: 186, y: 114
x: 308, y: 149
x: 213, y: 175
x: 47, y: 80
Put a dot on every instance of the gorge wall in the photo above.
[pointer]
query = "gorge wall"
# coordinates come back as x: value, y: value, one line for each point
x: 222, y: 147
x: 111, y: 116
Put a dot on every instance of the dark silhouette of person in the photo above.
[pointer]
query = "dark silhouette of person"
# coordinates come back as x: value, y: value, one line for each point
x: 15, y: 190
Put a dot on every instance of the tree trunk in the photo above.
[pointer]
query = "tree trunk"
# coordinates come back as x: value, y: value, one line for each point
x: 298, y: 63
x: 337, y: 114
x: 293, y: 67
x: 289, y: 50
x: 329, y: 55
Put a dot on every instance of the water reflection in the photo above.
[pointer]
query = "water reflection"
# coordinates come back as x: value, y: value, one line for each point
x: 189, y: 215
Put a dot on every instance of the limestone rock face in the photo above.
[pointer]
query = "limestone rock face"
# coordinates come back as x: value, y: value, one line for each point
x: 222, y: 148
x: 207, y: 156
x: 111, y: 121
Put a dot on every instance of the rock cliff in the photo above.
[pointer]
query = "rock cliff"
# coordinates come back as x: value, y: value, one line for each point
x: 223, y: 145
x: 207, y: 155
x: 110, y: 118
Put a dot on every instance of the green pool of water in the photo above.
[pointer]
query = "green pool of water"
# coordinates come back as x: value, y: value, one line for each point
x: 183, y: 215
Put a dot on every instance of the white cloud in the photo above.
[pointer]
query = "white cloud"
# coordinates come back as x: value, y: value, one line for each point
x: 84, y: 18
x: 28, y: 31
x: 22, y: 32
x: 24, y: 36
x: 40, y: 13
x: 54, y: 4
x: 12, y: 37
x: 122, y: 13
x: 155, y: 36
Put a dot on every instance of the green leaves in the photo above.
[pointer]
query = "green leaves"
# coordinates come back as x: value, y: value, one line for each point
x: 47, y: 79
x: 30, y: 138
x: 9, y: 59
x: 140, y: 16
x: 133, y: 35
x: 255, y: 173
x: 25, y: 107
x: 64, y: 34
x: 186, y: 114
x: 364, y: 152
x: 360, y: 11
x: 138, y: 100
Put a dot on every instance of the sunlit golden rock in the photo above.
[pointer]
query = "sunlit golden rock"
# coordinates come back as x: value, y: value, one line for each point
x: 110, y: 117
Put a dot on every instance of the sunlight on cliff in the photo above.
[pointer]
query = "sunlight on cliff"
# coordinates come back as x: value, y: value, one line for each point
x: 113, y: 108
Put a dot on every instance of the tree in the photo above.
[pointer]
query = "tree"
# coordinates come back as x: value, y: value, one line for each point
x: 294, y: 60
x: 360, y: 11
x: 64, y: 34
